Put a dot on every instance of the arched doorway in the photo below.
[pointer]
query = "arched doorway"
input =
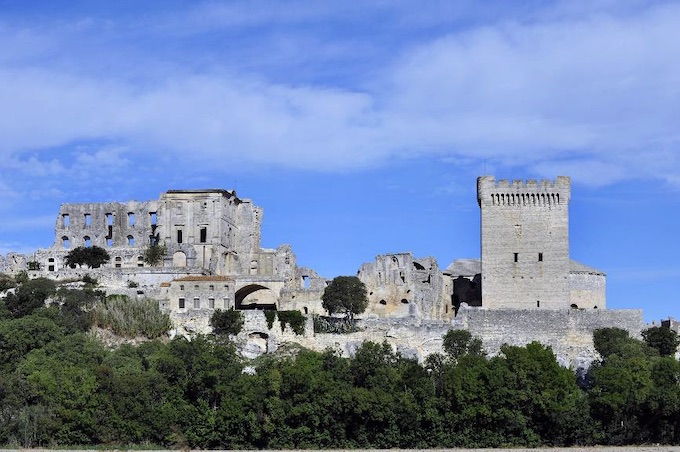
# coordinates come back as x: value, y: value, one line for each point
x: 179, y: 259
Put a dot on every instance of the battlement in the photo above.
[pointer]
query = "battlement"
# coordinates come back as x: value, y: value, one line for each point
x: 531, y: 192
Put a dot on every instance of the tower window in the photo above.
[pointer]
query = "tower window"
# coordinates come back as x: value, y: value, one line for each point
x: 540, y: 257
x: 181, y: 303
x: 516, y: 257
x: 131, y: 218
x: 538, y: 303
x: 88, y: 219
x: 66, y: 220
x: 204, y: 235
x: 179, y: 236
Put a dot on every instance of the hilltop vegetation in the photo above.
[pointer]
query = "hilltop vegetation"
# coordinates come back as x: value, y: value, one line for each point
x: 59, y: 386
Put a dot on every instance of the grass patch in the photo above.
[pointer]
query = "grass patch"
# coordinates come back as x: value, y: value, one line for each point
x: 132, y: 317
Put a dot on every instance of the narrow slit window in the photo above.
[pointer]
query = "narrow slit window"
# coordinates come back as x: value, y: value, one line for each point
x: 516, y: 257
x: 182, y: 303
x: 538, y: 303
x: 179, y: 236
x: 204, y: 235
x: 131, y: 218
x: 65, y: 220
x: 540, y: 257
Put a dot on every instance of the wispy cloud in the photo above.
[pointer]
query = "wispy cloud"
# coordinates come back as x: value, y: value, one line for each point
x: 582, y: 91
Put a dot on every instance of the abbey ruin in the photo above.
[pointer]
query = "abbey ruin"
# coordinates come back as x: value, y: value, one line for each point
x: 525, y: 286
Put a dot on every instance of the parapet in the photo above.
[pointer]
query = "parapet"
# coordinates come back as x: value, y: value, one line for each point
x: 520, y: 192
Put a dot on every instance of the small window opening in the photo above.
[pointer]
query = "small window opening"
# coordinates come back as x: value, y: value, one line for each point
x: 181, y: 287
x: 225, y: 301
x: 51, y: 259
x: 88, y: 242
x: 516, y: 257
x: 204, y: 235
x: 154, y: 218
x: 538, y: 303
x: 305, y: 310
x: 305, y: 282
x: 179, y: 236
x: 404, y: 301
x: 197, y: 303
x: 540, y: 257
x: 109, y: 241
x: 574, y: 306
x: 211, y: 303
x: 131, y: 218
x: 109, y: 219
x: 383, y: 302
x: 65, y: 220
x: 88, y: 219
x: 50, y: 268
x: 182, y: 303
x: 595, y: 307
x: 65, y: 241
x: 211, y: 287
x: 131, y: 240
x: 253, y: 267
x: 195, y: 286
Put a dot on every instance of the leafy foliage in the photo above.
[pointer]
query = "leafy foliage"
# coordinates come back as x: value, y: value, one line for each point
x: 457, y: 343
x: 293, y: 318
x: 345, y: 294
x: 226, y: 322
x: 91, y: 256
x: 132, y: 317
x: 154, y: 253
x: 30, y: 296
x: 663, y: 339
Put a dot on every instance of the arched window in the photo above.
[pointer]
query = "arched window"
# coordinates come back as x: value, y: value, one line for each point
x: 65, y: 241
x: 88, y: 242
x: 131, y: 240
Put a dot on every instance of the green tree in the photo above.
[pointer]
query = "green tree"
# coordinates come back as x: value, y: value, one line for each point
x: 663, y: 339
x: 154, y: 253
x: 91, y: 256
x: 226, y: 322
x: 345, y: 294
x: 30, y: 296
x: 457, y: 343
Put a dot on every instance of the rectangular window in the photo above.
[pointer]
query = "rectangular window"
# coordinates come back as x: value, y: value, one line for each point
x: 516, y: 257
x: 65, y: 220
x: 179, y: 236
x: 225, y: 300
x: 154, y: 218
x: 88, y: 219
x: 197, y: 303
x: 131, y: 218
x: 109, y: 219
x: 181, y: 287
x: 538, y: 304
x: 211, y: 303
x: 181, y: 303
x: 109, y: 241
x: 211, y: 287
x: 540, y: 257
x: 204, y: 235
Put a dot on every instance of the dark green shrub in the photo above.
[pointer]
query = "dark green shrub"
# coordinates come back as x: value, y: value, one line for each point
x: 293, y: 318
x: 226, y: 322
x: 270, y: 316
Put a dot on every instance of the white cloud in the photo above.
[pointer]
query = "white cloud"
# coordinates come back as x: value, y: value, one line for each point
x: 596, y: 96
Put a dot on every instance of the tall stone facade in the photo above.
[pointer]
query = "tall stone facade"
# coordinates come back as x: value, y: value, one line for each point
x: 525, y: 243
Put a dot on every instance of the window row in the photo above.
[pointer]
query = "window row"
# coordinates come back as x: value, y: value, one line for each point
x: 516, y: 257
x: 197, y: 287
x: 87, y: 241
x: 198, y: 304
x: 109, y: 217
x: 511, y: 199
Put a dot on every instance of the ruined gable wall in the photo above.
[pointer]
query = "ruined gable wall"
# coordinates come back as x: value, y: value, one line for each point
x: 587, y: 290
x: 525, y: 243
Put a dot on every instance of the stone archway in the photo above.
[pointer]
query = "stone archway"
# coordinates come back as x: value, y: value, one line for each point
x: 255, y: 296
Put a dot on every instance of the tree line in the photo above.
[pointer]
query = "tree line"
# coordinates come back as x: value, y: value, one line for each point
x: 59, y: 386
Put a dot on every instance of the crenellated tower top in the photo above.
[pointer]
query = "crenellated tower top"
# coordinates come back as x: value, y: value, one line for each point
x: 518, y: 193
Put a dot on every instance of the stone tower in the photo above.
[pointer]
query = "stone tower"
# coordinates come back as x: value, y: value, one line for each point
x: 525, y: 243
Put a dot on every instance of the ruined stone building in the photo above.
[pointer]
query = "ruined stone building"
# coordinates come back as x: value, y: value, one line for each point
x: 214, y: 260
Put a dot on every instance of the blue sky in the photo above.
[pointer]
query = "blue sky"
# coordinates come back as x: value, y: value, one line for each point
x: 360, y: 127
